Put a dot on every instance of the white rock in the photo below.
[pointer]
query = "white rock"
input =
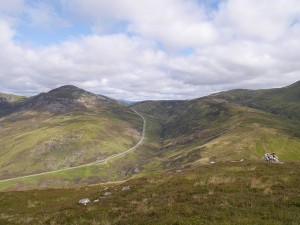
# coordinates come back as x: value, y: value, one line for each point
x: 271, y: 157
x: 126, y: 188
x: 84, y: 201
x: 106, y: 194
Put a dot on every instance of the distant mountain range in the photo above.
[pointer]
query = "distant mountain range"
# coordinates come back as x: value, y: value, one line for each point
x: 69, y: 126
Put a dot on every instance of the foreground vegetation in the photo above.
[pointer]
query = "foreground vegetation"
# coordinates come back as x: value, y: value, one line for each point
x: 248, y: 192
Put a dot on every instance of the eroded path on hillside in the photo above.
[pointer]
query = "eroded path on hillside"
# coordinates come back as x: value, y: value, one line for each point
x: 102, y: 161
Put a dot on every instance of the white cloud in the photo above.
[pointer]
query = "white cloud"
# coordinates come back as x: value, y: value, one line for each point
x: 6, y: 32
x: 265, y: 19
x: 175, y: 23
x: 244, y: 44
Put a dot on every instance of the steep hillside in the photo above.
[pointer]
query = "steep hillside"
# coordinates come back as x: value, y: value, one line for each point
x: 183, y: 121
x: 226, y: 126
x: 280, y: 101
x: 63, y: 128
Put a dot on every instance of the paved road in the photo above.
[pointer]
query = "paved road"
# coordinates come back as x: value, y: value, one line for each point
x: 103, y: 161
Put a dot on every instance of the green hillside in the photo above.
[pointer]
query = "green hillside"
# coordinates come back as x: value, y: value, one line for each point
x: 63, y: 128
x: 178, y: 134
x: 280, y: 101
x: 177, y: 184
x: 226, y: 126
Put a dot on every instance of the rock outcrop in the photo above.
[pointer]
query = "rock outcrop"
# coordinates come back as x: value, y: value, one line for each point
x: 271, y: 157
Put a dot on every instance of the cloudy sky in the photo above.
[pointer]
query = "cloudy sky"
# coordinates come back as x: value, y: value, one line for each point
x: 148, y: 49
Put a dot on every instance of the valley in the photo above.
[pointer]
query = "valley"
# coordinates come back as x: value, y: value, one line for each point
x: 76, y: 144
x: 193, y: 161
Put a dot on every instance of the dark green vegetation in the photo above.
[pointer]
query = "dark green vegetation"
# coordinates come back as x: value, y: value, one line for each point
x: 63, y: 128
x: 224, y: 193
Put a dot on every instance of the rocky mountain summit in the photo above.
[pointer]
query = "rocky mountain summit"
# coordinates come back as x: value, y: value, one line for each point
x: 8, y: 98
x: 62, y: 99
x: 8, y: 103
x: 4, y: 99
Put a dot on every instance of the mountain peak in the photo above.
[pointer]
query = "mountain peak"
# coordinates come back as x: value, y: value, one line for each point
x: 66, y: 87
x: 65, y: 98
x: 68, y: 91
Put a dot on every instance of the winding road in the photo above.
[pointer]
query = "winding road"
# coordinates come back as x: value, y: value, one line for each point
x: 102, y: 161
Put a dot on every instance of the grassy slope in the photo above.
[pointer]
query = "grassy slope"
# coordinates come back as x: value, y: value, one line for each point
x: 34, y: 139
x: 250, y: 192
x: 224, y: 193
x: 215, y: 129
x: 184, y: 133
x: 116, y: 169
x: 61, y: 141
x: 280, y: 101
x: 202, y: 131
x: 182, y: 121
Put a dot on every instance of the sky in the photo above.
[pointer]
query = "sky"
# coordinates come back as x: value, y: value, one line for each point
x: 148, y: 49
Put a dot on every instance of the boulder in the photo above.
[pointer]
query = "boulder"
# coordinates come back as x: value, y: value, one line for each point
x: 125, y: 188
x: 271, y: 157
x: 84, y: 201
x: 106, y: 194
x: 136, y: 170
